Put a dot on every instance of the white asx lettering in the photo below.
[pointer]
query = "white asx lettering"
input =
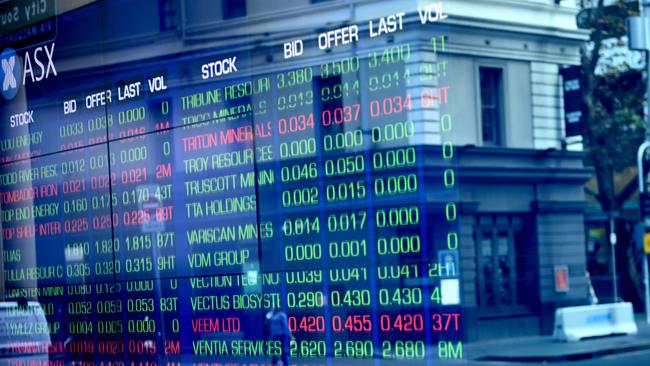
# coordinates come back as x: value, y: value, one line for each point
x: 44, y: 69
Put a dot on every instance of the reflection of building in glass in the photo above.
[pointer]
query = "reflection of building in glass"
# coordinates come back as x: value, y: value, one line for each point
x: 521, y: 190
x: 492, y: 68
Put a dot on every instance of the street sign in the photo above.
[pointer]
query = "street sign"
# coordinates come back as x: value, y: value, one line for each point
x: 36, y: 24
x: 450, y: 291
x: 575, y: 113
x: 561, y: 273
x: 448, y: 262
x: 638, y: 33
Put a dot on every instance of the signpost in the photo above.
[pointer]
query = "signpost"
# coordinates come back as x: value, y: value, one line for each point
x: 561, y: 274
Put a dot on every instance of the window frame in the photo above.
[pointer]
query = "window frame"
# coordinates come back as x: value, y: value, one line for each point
x: 502, y: 106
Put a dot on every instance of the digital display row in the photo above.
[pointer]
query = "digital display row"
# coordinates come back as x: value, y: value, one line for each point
x: 161, y: 221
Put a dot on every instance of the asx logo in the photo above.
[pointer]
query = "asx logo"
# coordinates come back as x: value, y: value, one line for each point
x: 13, y: 73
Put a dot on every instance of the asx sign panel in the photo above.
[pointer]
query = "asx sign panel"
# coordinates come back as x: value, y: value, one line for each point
x: 30, y: 67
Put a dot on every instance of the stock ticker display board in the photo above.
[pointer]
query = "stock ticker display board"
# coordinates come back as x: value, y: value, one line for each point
x: 156, y: 210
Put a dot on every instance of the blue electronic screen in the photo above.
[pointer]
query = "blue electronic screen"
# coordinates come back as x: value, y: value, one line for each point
x: 165, y: 207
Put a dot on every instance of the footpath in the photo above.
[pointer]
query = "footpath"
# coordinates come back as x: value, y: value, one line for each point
x: 545, y: 349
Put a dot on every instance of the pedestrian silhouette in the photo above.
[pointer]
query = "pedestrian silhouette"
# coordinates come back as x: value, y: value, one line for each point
x: 278, y: 326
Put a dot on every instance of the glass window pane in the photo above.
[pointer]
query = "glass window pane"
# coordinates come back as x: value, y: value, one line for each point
x: 491, y: 101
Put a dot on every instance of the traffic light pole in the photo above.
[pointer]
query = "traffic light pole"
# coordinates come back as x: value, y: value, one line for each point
x: 646, y: 273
